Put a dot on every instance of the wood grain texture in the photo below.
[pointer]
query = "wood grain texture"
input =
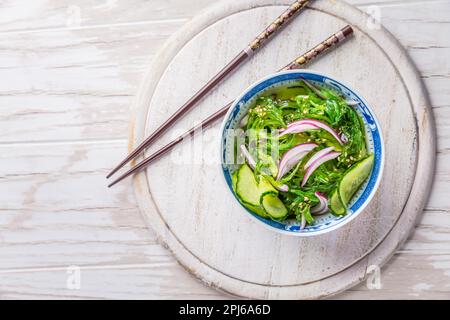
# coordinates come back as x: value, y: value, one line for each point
x: 63, y: 108
x: 97, y: 79
x: 23, y: 17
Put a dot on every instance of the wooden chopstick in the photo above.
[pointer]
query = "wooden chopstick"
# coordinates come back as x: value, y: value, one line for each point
x: 311, y: 54
x: 240, y: 58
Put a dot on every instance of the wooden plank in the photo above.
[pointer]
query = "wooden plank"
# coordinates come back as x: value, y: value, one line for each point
x: 22, y: 16
x: 421, y: 269
x: 388, y: 3
x: 54, y: 201
x: 439, y: 199
x: 417, y: 271
x: 141, y: 281
x: 406, y: 276
x: 62, y: 214
x: 74, y: 85
x: 409, y: 276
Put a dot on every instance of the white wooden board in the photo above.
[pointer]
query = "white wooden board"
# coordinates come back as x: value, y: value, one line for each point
x: 65, y: 99
x: 192, y: 212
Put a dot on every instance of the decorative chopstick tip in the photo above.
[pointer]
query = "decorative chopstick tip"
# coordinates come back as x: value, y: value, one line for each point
x: 322, y: 47
x: 111, y: 184
x: 347, y: 30
x: 116, y: 181
x: 277, y: 24
x: 125, y: 175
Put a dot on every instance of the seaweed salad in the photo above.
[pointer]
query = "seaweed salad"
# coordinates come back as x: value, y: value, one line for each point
x: 303, y: 152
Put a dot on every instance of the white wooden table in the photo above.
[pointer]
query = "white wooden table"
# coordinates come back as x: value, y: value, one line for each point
x: 69, y: 71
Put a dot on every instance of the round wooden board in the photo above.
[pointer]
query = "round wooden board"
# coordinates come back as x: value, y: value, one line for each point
x: 182, y: 195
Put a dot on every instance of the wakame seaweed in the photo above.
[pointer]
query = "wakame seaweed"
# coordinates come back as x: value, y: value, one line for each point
x: 273, y: 112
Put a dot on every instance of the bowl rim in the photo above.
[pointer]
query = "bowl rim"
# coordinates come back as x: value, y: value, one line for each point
x: 378, y: 179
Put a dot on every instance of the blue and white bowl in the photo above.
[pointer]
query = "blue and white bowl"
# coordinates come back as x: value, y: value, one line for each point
x: 324, y: 223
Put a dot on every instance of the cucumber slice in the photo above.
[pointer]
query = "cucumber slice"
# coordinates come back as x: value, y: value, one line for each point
x: 234, y: 180
x: 336, y: 206
x: 287, y: 93
x: 248, y: 189
x: 257, y: 209
x: 246, y: 186
x: 273, y: 205
x: 354, y: 178
x: 276, y: 184
x: 265, y: 186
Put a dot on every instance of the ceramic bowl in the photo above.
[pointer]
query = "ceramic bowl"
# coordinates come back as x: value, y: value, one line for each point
x: 327, y: 222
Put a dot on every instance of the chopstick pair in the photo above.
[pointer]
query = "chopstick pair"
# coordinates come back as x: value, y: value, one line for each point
x: 311, y: 54
x: 253, y: 46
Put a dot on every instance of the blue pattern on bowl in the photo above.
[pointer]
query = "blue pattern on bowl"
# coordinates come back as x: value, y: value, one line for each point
x: 326, y: 222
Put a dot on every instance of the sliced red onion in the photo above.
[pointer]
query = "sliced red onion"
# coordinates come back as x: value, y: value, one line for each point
x: 317, y: 163
x: 322, y: 207
x: 243, y: 121
x: 292, y: 157
x: 303, y: 223
x: 318, y: 155
x: 283, y: 187
x: 298, y: 128
x: 352, y: 102
x: 251, y: 162
x: 315, y: 89
x: 316, y: 123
